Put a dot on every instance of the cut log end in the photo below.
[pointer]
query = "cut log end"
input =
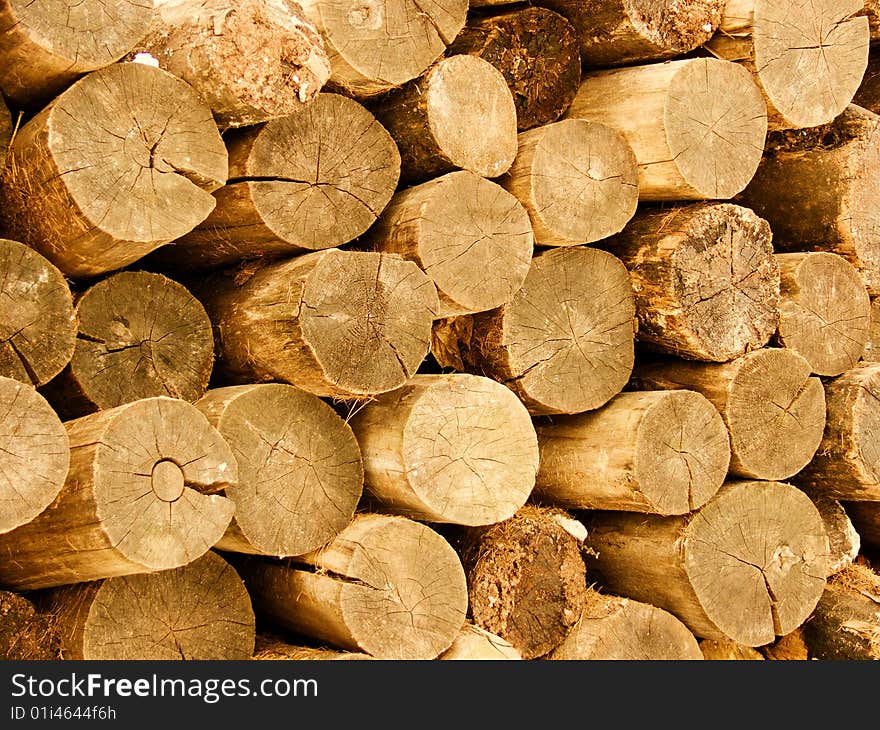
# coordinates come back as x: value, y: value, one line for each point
x: 26, y: 635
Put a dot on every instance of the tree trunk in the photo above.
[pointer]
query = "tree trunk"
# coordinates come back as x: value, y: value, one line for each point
x: 472, y: 238
x: 563, y: 344
x: 664, y: 110
x: 726, y: 650
x: 659, y: 452
x: 251, y: 60
x: 748, y: 566
x: 448, y: 448
x: 24, y: 633
x: 272, y: 650
x: 342, y: 324
x: 139, y: 497
x: 577, y: 179
x: 843, y: 539
x: 807, y: 57
x: 386, y: 586
x: 773, y: 409
x: 118, y: 165
x: 299, y: 466
x: 473, y: 643
x: 705, y: 280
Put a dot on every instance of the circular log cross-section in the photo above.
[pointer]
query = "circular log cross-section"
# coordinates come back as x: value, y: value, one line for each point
x: 472, y: 238
x: 577, y: 179
x: 24, y: 633
x: 660, y: 452
x: 37, y: 319
x: 140, y: 496
x: 299, y: 466
x: 120, y: 164
x: 749, y: 566
x: 448, y: 448
x: 34, y: 454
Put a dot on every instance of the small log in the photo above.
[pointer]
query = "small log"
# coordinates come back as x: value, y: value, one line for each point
x: 824, y: 310
x: 6, y: 130
x: 312, y: 180
x: 577, y: 179
x: 843, y: 539
x: 271, y: 650
x: 807, y: 57
x: 659, y: 452
x: 387, y: 586
x: 34, y: 454
x: 118, y: 165
x: 469, y: 236
x: 44, y: 47
x: 473, y: 643
x: 612, y: 628
x: 344, y: 324
x: 448, y: 448
x: 664, y: 110
x: 526, y: 579
x: 538, y: 54
x: 24, y: 633
x: 139, y: 497
x: 198, y: 611
x: 818, y: 190
x: 250, y: 60
x: 563, y: 344
x: 872, y: 346
x: 460, y: 114
x: 726, y: 650
x: 749, y: 566
x: 705, y: 280
x: 865, y: 517
x: 790, y: 647
x: 299, y: 466
x: 376, y: 46
x: 773, y: 409
x: 37, y: 321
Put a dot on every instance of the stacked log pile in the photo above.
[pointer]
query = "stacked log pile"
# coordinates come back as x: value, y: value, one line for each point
x: 448, y: 331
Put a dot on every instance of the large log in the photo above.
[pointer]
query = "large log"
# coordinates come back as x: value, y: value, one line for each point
x: 299, y: 467
x: 808, y: 56
x: 748, y: 566
x: 448, y: 448
x: 705, y: 280
x: 664, y: 111
x: 577, y: 179
x: 658, y: 452
x: 139, y: 497
x: 386, y: 586
x: 471, y: 237
x: 563, y: 344
x: 537, y: 52
x: 474, y: 643
x: 772, y: 407
x: 24, y: 633
x: 344, y: 324
x: 118, y: 165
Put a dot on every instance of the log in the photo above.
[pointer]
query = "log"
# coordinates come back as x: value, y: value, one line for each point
x: 526, y: 579
x: 872, y: 346
x: 658, y: 452
x: 299, y: 466
x: 44, y: 47
x: 24, y: 633
x: 705, y: 280
x: 448, y: 448
x: 34, y: 454
x: 807, y: 56
x: 473, y: 643
x: 387, y: 586
x: 563, y: 344
x: 118, y: 165
x: 343, y: 324
x: 577, y: 179
x: 37, y: 322
x: 267, y: 650
x: 726, y: 650
x: 749, y: 566
x: 824, y: 310
x: 374, y: 47
x: 197, y: 611
x: 6, y: 130
x: 790, y: 647
x: 250, y: 60
x: 843, y: 539
x: 140, y: 496
x: 818, y: 191
x: 865, y: 517
x: 773, y: 409
x: 140, y: 335
x: 664, y: 110
x: 313, y: 180
x: 537, y: 52
x: 612, y: 628
x: 470, y: 237
x: 460, y: 114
